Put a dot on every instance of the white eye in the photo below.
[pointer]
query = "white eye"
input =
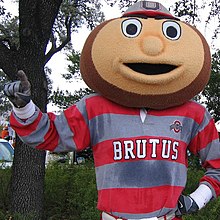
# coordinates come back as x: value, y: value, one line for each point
x: 131, y: 27
x: 171, y: 30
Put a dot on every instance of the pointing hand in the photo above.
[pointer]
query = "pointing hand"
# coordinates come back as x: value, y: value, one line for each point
x: 19, y: 92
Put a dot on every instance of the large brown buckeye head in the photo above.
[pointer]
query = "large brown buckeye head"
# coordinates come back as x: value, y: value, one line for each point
x: 146, y: 60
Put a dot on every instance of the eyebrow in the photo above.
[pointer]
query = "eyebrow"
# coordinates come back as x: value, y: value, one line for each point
x: 157, y: 17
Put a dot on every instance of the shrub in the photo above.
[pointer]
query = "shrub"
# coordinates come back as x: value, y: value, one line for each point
x: 70, y: 192
x: 5, y: 176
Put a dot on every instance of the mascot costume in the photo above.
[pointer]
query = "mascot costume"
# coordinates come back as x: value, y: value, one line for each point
x: 145, y: 68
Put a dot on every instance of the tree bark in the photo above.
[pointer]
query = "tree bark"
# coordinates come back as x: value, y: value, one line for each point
x: 27, y: 185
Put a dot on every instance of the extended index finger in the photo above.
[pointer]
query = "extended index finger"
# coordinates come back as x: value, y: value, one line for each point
x: 24, y: 80
x: 22, y: 76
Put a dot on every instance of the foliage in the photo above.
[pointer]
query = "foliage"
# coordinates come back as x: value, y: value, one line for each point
x: 9, y: 31
x: 212, y: 90
x: 64, y: 99
x: 8, y: 27
x: 122, y: 4
x: 187, y: 10
x: 5, y: 175
x: 71, y: 16
x: 194, y: 161
x: 2, y: 9
x: 210, y: 212
x: 4, y: 103
x: 200, y: 13
x: 74, y: 66
x: 70, y: 192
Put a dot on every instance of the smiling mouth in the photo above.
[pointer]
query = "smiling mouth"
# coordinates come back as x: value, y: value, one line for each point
x: 150, y: 69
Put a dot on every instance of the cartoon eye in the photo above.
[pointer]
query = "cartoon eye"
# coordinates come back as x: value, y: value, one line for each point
x: 131, y: 27
x: 171, y: 30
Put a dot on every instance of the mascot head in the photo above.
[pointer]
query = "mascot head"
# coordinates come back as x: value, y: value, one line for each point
x: 146, y: 58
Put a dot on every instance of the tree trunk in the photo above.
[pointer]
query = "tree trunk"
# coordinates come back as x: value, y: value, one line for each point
x: 27, y: 183
x: 36, y: 18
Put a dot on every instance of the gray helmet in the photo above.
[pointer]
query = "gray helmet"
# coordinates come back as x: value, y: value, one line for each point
x: 148, y: 9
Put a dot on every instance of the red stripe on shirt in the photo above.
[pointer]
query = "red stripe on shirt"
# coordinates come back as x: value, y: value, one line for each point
x: 77, y: 124
x: 138, y: 200
x: 212, y: 164
x: 107, y: 107
x: 24, y: 129
x: 204, y: 137
x: 104, y: 151
x: 51, y: 138
x: 189, y: 109
x: 214, y: 183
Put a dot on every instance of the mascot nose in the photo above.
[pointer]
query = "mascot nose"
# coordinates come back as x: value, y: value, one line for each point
x: 152, y: 45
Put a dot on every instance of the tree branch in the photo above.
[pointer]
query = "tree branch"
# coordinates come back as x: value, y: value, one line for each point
x: 54, y: 49
x: 8, y: 61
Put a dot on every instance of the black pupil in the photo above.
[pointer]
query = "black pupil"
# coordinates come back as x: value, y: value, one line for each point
x: 131, y: 29
x: 171, y: 32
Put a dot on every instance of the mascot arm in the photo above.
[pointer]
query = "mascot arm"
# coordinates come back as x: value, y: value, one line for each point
x: 202, y: 195
x: 64, y: 132
x: 48, y: 131
x: 25, y: 112
x: 205, y: 144
x: 195, y: 201
x: 45, y: 131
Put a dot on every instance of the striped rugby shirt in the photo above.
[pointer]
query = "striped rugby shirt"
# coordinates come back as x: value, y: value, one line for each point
x: 140, y: 162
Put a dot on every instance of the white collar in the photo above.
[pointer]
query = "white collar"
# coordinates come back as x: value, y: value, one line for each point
x: 143, y: 114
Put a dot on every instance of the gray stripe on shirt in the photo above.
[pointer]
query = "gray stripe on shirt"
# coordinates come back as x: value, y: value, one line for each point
x: 114, y: 126
x: 141, y: 174
x: 205, y: 122
x: 66, y: 142
x: 213, y: 173
x: 210, y: 152
x: 37, y: 136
